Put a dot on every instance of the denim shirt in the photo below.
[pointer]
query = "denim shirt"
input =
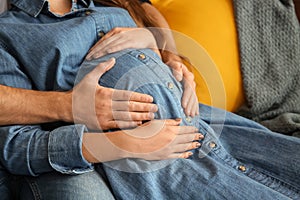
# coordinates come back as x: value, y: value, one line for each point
x: 55, y: 48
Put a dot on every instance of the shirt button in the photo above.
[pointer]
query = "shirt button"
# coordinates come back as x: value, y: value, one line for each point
x: 242, y: 168
x: 142, y: 56
x: 212, y: 145
x: 188, y: 119
x: 101, y: 33
x: 170, y: 85
x: 87, y: 12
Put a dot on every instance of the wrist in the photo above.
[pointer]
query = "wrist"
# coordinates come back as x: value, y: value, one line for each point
x: 63, y: 106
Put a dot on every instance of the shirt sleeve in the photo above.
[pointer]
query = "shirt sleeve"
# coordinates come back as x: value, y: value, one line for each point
x: 30, y: 150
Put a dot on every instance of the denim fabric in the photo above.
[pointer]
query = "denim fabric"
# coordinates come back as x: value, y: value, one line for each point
x: 44, y: 53
x: 55, y: 48
x: 238, y: 158
x: 54, y: 186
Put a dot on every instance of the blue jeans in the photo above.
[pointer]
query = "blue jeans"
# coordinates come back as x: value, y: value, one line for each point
x: 54, y: 186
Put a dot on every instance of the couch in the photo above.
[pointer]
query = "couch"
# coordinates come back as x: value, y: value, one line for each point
x: 210, y: 25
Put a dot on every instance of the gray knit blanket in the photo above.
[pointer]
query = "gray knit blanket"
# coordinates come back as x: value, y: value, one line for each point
x: 269, y: 39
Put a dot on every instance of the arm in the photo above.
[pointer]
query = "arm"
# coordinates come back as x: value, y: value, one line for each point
x: 22, y: 106
x: 30, y: 150
x: 155, y: 140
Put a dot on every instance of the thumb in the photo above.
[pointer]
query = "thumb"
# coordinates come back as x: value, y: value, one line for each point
x: 101, y: 68
x: 173, y: 122
x: 177, y: 69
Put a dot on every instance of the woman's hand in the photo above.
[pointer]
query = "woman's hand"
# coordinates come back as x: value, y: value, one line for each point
x: 102, y: 108
x: 123, y: 38
x: 181, y: 73
x: 154, y: 140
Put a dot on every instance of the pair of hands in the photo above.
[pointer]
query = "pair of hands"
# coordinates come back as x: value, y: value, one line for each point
x: 112, y: 108
x: 123, y: 38
x: 105, y: 108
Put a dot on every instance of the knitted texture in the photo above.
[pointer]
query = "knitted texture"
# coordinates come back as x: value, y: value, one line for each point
x: 269, y: 40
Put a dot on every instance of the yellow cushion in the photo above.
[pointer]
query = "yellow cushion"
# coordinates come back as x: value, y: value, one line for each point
x: 209, y: 39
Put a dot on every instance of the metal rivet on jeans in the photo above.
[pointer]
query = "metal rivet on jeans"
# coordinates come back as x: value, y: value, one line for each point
x: 87, y: 12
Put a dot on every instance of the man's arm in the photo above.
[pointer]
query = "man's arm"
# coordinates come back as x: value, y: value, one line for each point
x: 22, y: 106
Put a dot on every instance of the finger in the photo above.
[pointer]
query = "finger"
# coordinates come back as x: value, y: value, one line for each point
x: 100, y: 69
x: 123, y: 124
x: 123, y: 95
x: 188, y: 76
x: 186, y: 97
x: 132, y: 116
x: 133, y: 106
x: 101, y: 47
x: 180, y: 155
x: 177, y: 69
x: 112, y: 47
x: 186, y: 130
x: 188, y: 138
x: 195, y: 108
x: 105, y: 37
x: 190, y: 105
x: 186, y: 147
x: 172, y: 122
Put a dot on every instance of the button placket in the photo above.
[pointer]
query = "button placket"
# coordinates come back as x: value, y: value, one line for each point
x: 212, y: 145
x: 188, y: 119
x: 170, y: 85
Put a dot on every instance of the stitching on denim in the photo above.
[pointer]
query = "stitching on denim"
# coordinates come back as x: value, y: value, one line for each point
x: 34, y: 188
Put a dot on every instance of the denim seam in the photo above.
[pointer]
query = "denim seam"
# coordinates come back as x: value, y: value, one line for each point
x: 279, y: 183
x: 34, y: 188
x: 229, y: 162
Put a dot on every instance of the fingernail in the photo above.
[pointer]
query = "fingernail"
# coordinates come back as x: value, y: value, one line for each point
x: 198, y: 145
x: 151, y: 115
x: 154, y: 108
x: 189, y: 154
x: 178, y: 77
x: 178, y: 119
x: 88, y: 57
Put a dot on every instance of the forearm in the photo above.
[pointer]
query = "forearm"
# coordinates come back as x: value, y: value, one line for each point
x: 21, y: 106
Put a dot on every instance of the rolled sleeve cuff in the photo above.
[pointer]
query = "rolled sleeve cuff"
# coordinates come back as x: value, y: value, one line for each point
x: 65, y: 150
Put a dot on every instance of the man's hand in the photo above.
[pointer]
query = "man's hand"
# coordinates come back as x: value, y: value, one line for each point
x: 123, y: 38
x: 102, y: 108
